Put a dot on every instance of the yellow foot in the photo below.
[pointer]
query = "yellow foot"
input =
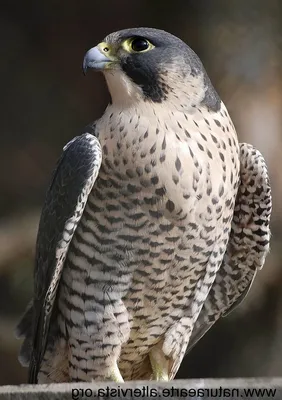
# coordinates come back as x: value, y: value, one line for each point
x: 159, y: 364
x: 115, y: 375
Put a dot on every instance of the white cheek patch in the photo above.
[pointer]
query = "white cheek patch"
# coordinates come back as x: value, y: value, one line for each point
x: 122, y: 89
x: 182, y: 92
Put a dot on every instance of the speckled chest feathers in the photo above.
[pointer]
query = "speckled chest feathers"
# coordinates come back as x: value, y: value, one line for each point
x: 150, y: 241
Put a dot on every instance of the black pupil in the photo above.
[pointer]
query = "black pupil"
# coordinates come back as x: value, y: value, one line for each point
x: 139, y: 44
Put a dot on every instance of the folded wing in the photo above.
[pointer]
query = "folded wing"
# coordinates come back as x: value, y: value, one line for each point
x: 248, y: 243
x: 72, y: 181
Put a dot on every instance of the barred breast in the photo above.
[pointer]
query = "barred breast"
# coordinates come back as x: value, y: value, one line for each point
x: 150, y: 241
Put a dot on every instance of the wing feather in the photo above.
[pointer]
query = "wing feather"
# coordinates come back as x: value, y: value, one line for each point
x: 248, y: 243
x: 72, y: 181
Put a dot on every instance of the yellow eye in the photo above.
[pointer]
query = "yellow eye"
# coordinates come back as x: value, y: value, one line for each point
x: 137, y: 45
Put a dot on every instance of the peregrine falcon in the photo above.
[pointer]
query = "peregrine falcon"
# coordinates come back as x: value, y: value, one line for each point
x: 153, y: 226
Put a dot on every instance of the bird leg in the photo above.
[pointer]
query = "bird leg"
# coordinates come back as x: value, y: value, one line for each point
x: 159, y: 363
x: 115, y: 374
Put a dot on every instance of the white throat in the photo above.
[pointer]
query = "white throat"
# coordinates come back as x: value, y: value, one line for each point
x: 123, y: 90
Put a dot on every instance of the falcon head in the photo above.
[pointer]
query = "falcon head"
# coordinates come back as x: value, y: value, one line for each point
x: 151, y: 65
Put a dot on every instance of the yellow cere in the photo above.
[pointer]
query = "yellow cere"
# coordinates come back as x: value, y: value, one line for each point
x: 107, y: 50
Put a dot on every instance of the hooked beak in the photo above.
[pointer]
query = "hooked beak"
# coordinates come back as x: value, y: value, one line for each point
x: 97, y: 59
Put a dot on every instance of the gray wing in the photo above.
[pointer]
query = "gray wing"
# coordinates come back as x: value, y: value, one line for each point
x: 248, y: 243
x: 72, y: 181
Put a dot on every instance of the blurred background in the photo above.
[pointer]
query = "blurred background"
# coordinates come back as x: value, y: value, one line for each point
x: 46, y: 101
